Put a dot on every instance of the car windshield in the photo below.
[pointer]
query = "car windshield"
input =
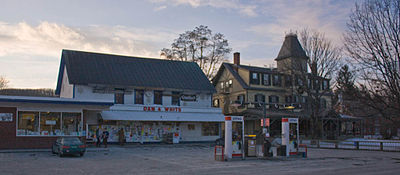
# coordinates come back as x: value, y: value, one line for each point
x: 71, y: 140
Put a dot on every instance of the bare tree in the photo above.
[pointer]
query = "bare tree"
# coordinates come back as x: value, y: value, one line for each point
x: 323, y: 60
x: 372, y: 40
x: 3, y: 82
x: 199, y: 46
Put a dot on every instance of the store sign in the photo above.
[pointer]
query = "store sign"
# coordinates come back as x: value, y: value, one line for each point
x: 50, y: 122
x: 6, y: 117
x: 188, y: 97
x: 162, y: 109
x: 293, y: 120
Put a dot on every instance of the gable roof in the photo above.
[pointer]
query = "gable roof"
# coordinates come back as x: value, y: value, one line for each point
x: 291, y: 47
x: 231, y: 68
x: 116, y: 70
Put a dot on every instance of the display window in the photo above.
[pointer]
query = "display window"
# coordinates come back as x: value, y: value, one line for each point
x: 28, y: 123
x: 71, y: 123
x: 50, y: 123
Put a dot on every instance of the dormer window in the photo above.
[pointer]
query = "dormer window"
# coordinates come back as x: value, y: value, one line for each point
x: 266, y: 80
x: 254, y: 78
x: 277, y: 80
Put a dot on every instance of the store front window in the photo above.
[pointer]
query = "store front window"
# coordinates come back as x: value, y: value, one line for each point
x: 71, y: 123
x: 28, y: 123
x: 210, y: 129
x: 50, y: 123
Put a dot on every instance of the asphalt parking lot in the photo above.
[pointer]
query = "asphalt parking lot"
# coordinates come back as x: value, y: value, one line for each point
x: 196, y: 159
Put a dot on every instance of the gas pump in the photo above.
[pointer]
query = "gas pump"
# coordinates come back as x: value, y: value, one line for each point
x: 290, y: 135
x: 234, y: 137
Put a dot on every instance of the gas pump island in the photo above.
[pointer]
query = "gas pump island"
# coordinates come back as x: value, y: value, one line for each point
x: 234, y: 139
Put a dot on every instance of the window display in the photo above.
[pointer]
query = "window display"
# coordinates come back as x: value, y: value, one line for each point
x: 71, y: 123
x: 28, y: 123
x: 50, y: 123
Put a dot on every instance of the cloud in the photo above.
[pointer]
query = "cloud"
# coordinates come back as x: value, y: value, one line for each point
x: 286, y: 16
x: 50, y: 38
x: 36, y: 49
x: 160, y: 8
x: 244, y: 9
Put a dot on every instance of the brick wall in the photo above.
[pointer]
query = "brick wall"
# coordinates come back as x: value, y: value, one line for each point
x: 9, y: 140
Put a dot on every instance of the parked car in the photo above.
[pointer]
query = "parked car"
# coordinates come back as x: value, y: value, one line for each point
x: 68, y: 145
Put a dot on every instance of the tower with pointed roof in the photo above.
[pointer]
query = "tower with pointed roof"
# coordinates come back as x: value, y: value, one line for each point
x: 292, y: 57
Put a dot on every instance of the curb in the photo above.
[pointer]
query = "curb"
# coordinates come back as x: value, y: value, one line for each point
x: 46, y: 150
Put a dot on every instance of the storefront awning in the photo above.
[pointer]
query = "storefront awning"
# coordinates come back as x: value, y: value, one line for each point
x: 162, y: 116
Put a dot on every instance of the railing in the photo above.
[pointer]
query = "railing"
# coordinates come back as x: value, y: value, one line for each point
x: 377, y: 145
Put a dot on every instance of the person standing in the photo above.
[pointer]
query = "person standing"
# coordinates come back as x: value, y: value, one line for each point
x: 105, y: 137
x: 121, y: 136
x: 98, y: 137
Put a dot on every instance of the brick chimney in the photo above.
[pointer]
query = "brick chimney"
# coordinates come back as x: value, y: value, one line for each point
x: 236, y: 58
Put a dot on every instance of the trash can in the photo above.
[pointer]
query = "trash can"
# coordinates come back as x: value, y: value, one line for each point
x: 251, y: 148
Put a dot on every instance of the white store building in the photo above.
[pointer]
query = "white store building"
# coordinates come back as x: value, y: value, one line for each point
x: 153, y: 98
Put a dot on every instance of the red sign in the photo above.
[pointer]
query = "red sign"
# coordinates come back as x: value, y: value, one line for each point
x: 285, y: 119
x: 228, y: 118
x: 266, y: 123
x: 162, y: 109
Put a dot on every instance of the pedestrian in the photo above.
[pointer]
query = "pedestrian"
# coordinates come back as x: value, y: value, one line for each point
x: 121, y: 136
x: 105, y: 137
x: 98, y: 137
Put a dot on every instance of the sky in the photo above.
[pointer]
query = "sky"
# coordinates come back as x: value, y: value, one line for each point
x: 34, y: 32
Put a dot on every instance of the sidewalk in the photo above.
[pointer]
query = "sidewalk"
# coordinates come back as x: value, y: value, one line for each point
x: 48, y: 150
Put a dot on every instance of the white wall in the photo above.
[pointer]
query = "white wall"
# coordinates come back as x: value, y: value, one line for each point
x: 194, y: 135
x: 83, y: 92
x: 67, y: 90
x: 86, y: 93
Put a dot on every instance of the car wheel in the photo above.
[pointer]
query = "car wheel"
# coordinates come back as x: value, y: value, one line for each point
x: 81, y: 154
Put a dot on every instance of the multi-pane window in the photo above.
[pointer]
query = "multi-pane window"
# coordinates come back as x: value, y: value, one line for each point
x: 28, y: 123
x: 49, y: 123
x: 139, y: 96
x: 288, y: 99
x: 288, y: 81
x: 209, y: 129
x: 176, y: 98
x: 254, y: 78
x: 158, y: 97
x: 276, y: 80
x: 71, y: 123
x: 259, y: 98
x: 273, y: 99
x: 266, y: 79
x: 325, y: 84
x: 240, y: 99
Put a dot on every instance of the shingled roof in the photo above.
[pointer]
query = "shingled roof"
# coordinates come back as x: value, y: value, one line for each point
x: 291, y: 48
x: 116, y: 70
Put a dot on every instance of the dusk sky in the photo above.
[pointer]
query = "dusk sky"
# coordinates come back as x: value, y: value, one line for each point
x: 33, y: 32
